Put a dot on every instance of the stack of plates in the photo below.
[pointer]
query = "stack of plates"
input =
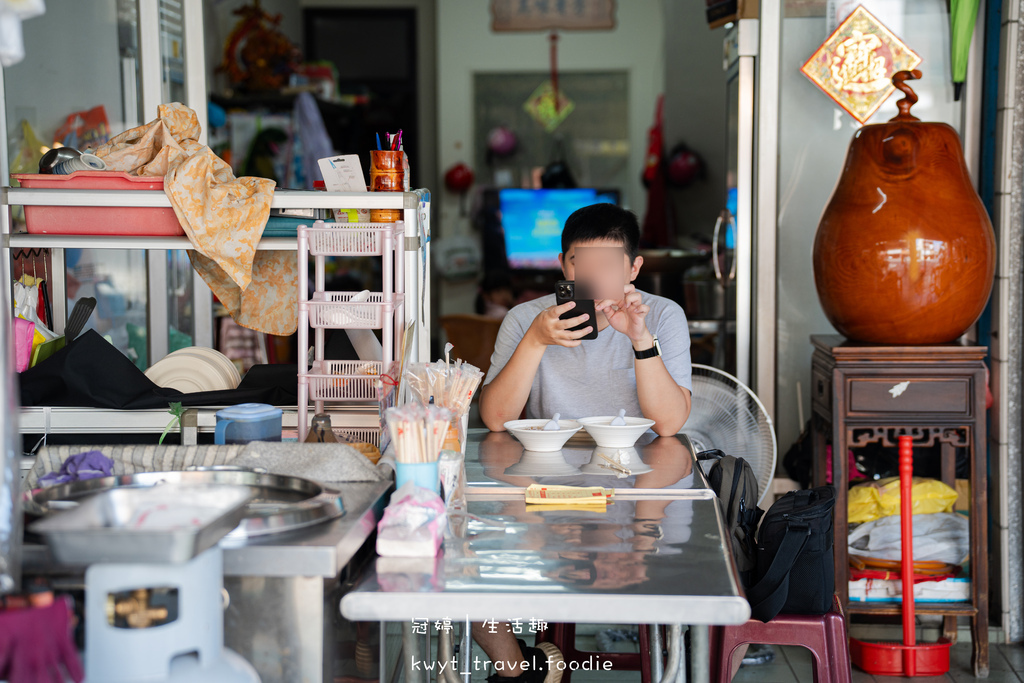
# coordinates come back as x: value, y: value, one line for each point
x: 195, y: 369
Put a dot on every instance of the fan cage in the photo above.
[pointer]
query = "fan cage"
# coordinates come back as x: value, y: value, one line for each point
x: 725, y: 414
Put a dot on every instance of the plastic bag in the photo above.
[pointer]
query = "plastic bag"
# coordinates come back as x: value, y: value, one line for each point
x: 873, y: 500
x: 24, y: 332
x: 413, y: 523
x: 940, y: 536
x: 87, y: 129
x: 26, y: 150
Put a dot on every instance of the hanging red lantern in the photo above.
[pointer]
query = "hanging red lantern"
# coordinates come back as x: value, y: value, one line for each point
x: 458, y: 178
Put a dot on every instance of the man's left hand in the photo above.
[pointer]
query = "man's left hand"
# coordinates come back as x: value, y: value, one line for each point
x: 627, y: 315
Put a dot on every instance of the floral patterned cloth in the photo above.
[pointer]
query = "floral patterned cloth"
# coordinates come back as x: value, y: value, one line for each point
x: 223, y: 216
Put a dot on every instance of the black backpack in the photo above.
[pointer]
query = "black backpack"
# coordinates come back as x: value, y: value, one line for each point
x: 795, y: 569
x: 733, y: 481
x: 793, y: 546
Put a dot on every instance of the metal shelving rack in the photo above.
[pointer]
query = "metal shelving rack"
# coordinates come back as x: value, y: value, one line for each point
x: 347, y: 381
x: 414, y: 268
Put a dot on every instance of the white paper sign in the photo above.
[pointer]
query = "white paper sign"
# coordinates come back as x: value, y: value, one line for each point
x: 345, y: 174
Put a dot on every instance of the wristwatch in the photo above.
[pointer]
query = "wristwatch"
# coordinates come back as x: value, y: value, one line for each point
x: 649, y: 353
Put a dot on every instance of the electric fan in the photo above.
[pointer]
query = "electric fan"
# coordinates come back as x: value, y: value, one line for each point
x: 727, y: 415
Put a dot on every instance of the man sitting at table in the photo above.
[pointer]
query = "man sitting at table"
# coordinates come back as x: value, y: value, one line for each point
x: 640, y: 361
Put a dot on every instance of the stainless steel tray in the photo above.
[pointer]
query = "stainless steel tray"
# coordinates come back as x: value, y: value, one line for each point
x: 277, y: 503
x: 156, y: 524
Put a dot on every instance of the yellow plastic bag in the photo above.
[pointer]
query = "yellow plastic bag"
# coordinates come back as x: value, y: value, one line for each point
x: 877, y: 499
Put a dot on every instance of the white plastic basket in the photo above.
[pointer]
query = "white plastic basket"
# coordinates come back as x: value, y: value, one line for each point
x: 350, y: 239
x: 344, y: 380
x: 336, y: 310
x: 360, y: 434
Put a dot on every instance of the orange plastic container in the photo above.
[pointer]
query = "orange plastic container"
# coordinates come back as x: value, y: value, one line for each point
x: 97, y: 220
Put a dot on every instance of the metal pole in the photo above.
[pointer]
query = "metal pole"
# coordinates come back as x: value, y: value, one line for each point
x: 657, y: 662
x: 681, y: 674
x: 699, y: 654
x: 467, y: 652
x: 410, y: 651
x: 427, y: 649
x: 10, y: 454
x: 382, y: 665
x: 675, y: 646
x: 766, y: 202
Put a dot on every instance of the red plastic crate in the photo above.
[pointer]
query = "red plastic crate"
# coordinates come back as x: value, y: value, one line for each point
x: 97, y: 220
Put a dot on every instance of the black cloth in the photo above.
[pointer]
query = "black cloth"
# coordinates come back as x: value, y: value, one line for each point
x: 91, y: 373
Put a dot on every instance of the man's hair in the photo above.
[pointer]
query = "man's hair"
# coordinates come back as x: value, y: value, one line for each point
x: 599, y: 222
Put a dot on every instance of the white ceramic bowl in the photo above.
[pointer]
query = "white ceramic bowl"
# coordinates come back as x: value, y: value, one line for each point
x: 618, y: 436
x: 534, y: 438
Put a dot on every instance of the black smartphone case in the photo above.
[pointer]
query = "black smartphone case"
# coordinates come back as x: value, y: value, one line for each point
x: 565, y: 291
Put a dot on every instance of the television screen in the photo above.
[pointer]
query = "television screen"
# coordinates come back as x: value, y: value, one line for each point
x: 532, y: 222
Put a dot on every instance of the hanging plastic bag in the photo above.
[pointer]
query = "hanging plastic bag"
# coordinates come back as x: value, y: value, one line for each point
x: 876, y: 499
x: 24, y: 332
x: 26, y: 299
x: 940, y: 537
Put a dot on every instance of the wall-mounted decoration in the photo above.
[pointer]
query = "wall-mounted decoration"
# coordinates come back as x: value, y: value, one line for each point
x: 548, y: 107
x: 856, y: 64
x: 552, y: 15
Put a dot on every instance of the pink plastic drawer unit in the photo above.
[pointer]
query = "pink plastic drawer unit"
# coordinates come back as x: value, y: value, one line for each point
x: 97, y: 220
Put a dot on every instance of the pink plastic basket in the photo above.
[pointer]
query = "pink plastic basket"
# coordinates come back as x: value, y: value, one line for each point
x: 97, y: 220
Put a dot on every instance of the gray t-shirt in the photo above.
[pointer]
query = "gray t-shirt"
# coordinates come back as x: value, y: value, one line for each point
x: 597, y: 377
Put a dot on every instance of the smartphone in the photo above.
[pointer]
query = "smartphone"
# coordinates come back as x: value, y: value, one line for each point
x: 565, y: 292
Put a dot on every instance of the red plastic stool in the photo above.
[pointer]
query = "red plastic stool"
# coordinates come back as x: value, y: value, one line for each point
x: 824, y: 636
x: 563, y: 636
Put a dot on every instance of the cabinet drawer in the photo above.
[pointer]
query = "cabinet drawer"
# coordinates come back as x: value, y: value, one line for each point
x: 821, y: 390
x: 896, y: 395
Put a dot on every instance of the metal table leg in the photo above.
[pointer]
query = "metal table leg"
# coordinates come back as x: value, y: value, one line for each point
x: 466, y: 652
x: 657, y: 662
x: 700, y: 654
x: 382, y: 665
x: 411, y: 654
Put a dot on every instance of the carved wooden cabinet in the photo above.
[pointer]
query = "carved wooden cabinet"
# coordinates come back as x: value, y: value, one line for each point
x: 864, y: 394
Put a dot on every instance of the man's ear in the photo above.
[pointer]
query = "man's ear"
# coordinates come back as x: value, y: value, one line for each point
x: 635, y: 270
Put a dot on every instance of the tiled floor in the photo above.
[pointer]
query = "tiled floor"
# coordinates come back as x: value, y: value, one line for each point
x: 793, y: 664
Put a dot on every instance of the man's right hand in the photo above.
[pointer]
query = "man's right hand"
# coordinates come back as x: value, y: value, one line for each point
x: 547, y: 329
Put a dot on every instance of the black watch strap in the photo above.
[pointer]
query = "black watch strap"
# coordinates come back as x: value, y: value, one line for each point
x: 649, y: 353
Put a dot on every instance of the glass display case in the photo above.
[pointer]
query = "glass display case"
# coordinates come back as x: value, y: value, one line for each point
x: 105, y: 77
x: 813, y: 136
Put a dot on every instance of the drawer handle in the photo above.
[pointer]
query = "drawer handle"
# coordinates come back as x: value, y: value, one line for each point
x: 821, y: 387
x: 898, y: 389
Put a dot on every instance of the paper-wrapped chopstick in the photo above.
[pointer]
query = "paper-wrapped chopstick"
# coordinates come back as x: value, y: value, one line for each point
x: 418, y: 431
x: 449, y: 386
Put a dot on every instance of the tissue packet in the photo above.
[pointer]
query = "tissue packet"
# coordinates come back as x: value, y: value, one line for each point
x: 413, y: 523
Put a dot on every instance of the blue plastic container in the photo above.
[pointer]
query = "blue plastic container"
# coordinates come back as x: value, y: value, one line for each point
x: 422, y: 474
x: 247, y: 422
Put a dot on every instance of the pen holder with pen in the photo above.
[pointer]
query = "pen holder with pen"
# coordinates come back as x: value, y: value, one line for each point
x: 386, y: 175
